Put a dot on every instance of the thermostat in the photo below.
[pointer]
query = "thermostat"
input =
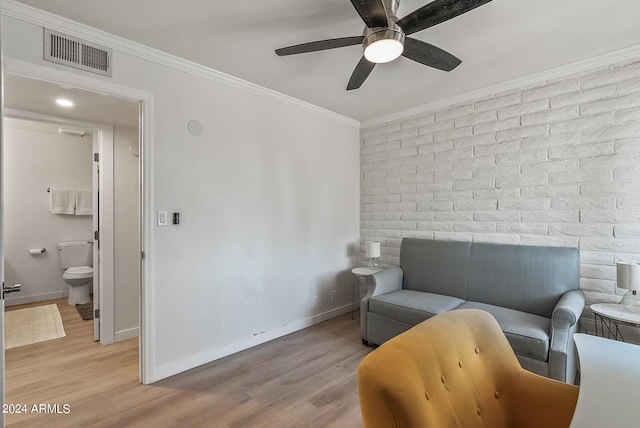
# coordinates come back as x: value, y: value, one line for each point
x: 195, y: 127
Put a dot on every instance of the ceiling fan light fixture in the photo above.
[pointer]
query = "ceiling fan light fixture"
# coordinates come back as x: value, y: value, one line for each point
x: 383, y: 38
x: 384, y: 45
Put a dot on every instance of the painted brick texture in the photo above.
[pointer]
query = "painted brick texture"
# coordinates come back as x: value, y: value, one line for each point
x: 553, y: 164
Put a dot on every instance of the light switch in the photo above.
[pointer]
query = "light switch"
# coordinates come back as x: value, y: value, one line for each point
x: 162, y: 218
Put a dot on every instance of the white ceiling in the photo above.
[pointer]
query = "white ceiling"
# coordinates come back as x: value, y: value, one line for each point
x: 498, y: 42
x: 37, y: 96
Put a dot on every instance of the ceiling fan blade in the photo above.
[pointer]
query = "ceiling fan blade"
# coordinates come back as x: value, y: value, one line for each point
x: 436, y: 12
x: 372, y: 12
x: 360, y: 74
x: 430, y: 55
x: 320, y: 45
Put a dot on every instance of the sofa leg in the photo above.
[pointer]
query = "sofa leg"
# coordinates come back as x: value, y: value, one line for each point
x: 365, y: 342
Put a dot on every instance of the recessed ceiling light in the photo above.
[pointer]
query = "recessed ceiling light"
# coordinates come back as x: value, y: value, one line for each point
x: 64, y: 102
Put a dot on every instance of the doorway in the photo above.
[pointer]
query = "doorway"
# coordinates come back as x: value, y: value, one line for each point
x: 37, y: 73
x: 38, y: 158
x: 118, y: 153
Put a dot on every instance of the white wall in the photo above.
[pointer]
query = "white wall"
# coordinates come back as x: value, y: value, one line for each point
x: 268, y: 198
x: 556, y: 163
x: 36, y: 157
x: 127, y: 233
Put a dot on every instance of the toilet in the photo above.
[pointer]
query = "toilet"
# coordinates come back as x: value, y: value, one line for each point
x: 76, y: 258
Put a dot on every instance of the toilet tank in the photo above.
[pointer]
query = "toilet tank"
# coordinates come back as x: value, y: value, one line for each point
x: 74, y: 254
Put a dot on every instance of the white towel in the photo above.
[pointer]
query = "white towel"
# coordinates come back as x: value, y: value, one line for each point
x: 62, y: 200
x: 84, y: 201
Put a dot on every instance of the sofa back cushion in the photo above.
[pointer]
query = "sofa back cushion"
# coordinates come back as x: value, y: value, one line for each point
x: 526, y: 278
x: 435, y: 266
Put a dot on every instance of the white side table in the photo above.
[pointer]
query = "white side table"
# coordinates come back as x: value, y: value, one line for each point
x: 360, y: 275
x: 610, y: 315
x: 609, y: 383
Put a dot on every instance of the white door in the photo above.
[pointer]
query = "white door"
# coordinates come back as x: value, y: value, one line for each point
x: 96, y: 237
x: 1, y: 234
x: 1, y: 291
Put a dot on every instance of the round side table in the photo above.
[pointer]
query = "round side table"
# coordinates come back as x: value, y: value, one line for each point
x: 610, y: 315
x: 360, y: 275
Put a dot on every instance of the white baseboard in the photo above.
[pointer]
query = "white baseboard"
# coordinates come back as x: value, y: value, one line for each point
x: 10, y: 301
x: 126, y: 334
x: 185, y: 364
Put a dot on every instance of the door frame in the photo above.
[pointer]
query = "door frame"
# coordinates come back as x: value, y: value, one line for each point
x: 85, y: 82
x: 95, y: 186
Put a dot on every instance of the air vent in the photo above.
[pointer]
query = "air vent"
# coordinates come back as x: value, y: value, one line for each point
x: 77, y: 53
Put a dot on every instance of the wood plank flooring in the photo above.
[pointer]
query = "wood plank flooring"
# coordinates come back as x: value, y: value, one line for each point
x: 305, y: 379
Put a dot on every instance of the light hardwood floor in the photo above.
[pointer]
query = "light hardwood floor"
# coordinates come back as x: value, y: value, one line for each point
x: 305, y: 379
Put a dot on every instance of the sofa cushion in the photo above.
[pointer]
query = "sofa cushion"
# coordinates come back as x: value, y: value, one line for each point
x: 528, y: 334
x: 525, y: 278
x: 434, y: 266
x: 412, y: 307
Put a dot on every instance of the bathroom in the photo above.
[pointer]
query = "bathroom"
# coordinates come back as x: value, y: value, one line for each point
x: 38, y: 157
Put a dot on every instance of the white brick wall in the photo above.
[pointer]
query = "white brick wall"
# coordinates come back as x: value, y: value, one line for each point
x: 554, y: 164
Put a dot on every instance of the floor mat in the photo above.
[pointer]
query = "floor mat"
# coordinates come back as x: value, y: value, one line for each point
x: 32, y: 325
x: 85, y: 310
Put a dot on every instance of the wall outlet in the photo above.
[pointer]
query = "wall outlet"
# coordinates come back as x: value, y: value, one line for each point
x: 333, y: 295
x: 315, y: 301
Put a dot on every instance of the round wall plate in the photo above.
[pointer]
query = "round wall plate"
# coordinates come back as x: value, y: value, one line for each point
x: 195, y: 127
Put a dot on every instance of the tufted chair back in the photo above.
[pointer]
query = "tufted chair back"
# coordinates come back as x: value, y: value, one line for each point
x: 458, y: 370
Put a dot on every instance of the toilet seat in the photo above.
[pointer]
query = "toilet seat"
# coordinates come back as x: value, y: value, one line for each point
x: 78, y: 272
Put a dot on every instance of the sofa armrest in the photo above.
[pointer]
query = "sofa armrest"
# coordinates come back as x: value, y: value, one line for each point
x: 382, y: 282
x: 564, y: 323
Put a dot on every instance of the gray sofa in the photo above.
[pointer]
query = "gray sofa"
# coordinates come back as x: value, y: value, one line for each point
x: 533, y: 292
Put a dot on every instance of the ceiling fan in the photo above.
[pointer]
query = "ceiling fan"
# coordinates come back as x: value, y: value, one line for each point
x: 385, y: 36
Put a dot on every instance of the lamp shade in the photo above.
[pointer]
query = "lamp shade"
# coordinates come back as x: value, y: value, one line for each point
x: 372, y: 249
x: 628, y: 276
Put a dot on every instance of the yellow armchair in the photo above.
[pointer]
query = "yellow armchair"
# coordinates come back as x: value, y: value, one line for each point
x: 458, y: 370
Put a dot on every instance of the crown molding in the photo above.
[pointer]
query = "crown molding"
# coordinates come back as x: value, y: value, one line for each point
x: 566, y: 70
x: 40, y: 17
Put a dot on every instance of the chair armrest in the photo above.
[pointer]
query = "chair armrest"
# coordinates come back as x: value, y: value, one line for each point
x: 543, y: 402
x: 382, y: 282
x: 564, y: 323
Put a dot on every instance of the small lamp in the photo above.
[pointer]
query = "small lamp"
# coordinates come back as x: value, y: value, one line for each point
x: 372, y: 250
x: 628, y: 276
